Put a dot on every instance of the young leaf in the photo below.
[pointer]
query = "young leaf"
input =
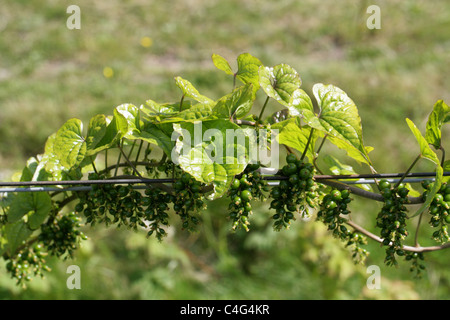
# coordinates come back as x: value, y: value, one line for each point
x: 248, y: 70
x: 299, y: 102
x: 222, y: 64
x: 96, y: 130
x: 425, y: 150
x: 338, y: 117
x: 158, y: 111
x: 35, y: 204
x: 191, y: 92
x: 153, y: 134
x: 236, y: 104
x: 15, y: 233
x: 132, y: 115
x: 435, y: 121
x: 291, y: 134
x: 70, y: 145
x: 427, y: 153
x: 279, y: 82
x: 207, y: 153
x: 436, y: 186
x: 117, y: 127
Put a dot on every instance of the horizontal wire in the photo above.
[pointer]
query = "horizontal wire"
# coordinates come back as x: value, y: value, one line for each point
x: 169, y: 180
x: 269, y: 174
x: 273, y: 180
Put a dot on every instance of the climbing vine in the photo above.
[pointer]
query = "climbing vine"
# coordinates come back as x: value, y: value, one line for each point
x: 144, y: 166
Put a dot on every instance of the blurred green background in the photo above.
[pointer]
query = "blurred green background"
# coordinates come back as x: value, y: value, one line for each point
x: 130, y: 51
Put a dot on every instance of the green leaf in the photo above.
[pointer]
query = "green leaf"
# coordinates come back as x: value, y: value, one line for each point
x: 434, y: 124
x: 248, y: 70
x: 337, y: 168
x: 208, y: 154
x: 339, y: 119
x: 427, y: 153
x: 117, y: 127
x: 132, y: 115
x: 15, y: 235
x: 425, y: 150
x: 196, y: 113
x: 191, y: 92
x: 69, y: 145
x: 291, y: 134
x: 36, y: 205
x: 158, y: 111
x: 279, y: 82
x: 436, y: 186
x: 96, y: 131
x: 42, y: 205
x: 222, y: 64
x: 153, y: 134
x: 299, y: 102
x: 50, y: 161
x: 236, y: 104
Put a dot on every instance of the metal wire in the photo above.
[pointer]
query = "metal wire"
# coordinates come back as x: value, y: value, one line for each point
x: 86, y: 185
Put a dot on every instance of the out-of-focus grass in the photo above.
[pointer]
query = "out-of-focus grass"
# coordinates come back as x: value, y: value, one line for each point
x: 49, y: 74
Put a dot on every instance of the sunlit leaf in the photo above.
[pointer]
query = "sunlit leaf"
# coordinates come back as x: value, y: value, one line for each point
x: 435, y: 121
x: 338, y: 118
x: 279, y: 82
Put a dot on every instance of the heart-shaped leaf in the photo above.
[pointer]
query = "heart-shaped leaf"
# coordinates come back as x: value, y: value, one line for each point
x: 70, y: 145
x: 209, y: 152
x: 338, y: 118
x: 236, y: 104
x: 191, y: 92
x: 434, y: 124
x: 279, y: 82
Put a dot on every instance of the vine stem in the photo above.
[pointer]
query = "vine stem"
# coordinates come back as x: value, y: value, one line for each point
x: 181, y: 103
x: 408, y: 171
x: 130, y: 163
x: 406, y: 248
x: 307, y: 144
x: 317, y: 154
x: 139, y: 150
x: 416, y: 236
x: 264, y: 107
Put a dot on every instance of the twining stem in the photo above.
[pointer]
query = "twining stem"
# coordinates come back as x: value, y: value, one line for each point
x: 139, y: 150
x: 93, y: 166
x: 408, y: 171
x: 263, y: 108
x: 118, y: 159
x: 416, y: 237
x: 130, y: 163
x: 132, y: 148
x: 406, y: 248
x: 106, y: 158
x: 181, y: 103
x: 307, y: 144
x: 317, y: 154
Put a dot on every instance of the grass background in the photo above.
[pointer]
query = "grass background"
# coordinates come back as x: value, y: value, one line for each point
x: 49, y: 74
